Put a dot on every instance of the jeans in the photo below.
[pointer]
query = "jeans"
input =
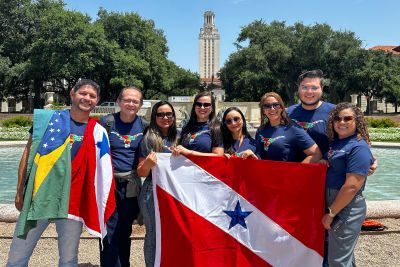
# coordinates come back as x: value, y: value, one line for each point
x: 117, y: 244
x: 68, y: 231
x: 345, y: 229
x: 146, y: 202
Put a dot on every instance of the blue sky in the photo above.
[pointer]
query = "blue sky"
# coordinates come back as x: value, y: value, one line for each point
x: 373, y: 21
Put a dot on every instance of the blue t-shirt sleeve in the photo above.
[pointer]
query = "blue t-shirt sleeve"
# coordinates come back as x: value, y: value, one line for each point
x: 359, y: 160
x: 303, y: 140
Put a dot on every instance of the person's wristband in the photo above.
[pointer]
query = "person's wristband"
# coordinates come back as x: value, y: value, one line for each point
x: 331, y: 214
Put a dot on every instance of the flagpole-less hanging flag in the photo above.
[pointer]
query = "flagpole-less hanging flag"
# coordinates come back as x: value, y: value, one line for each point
x: 57, y: 188
x: 48, y: 170
x: 92, y: 198
x: 213, y: 211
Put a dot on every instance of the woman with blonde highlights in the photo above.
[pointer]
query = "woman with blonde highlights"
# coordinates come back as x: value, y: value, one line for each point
x: 278, y: 138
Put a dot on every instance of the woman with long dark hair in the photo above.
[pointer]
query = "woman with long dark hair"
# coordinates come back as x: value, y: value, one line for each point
x: 237, y: 139
x: 161, y: 136
x: 278, y: 138
x: 349, y: 159
x: 202, y: 134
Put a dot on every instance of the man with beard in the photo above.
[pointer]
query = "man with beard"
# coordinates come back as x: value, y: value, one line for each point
x: 312, y: 113
x: 84, y: 98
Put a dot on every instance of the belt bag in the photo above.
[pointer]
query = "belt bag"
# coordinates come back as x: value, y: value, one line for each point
x: 134, y: 182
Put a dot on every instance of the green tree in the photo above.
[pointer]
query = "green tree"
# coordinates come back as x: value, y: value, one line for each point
x: 139, y: 57
x: 391, y: 92
x: 372, y: 77
x: 271, y: 56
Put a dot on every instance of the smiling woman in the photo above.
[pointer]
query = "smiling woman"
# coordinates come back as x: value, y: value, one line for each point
x: 278, y: 138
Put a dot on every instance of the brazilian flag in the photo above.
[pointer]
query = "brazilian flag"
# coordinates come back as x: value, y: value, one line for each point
x: 47, y: 187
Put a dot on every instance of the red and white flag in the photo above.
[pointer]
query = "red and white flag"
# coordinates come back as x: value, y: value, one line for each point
x: 213, y: 211
x: 92, y: 198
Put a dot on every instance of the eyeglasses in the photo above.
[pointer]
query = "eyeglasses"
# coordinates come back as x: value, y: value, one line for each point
x: 344, y: 118
x: 202, y: 105
x: 234, y: 119
x: 128, y: 101
x: 313, y: 88
x: 162, y: 115
x: 270, y: 106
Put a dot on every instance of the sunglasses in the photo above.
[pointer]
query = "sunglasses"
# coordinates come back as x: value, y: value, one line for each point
x: 202, y: 105
x: 234, y: 119
x: 270, y: 106
x: 162, y: 115
x: 344, y: 118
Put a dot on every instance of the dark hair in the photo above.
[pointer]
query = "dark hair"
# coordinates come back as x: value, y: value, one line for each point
x: 213, y: 122
x: 285, y: 120
x: 86, y: 82
x: 153, y: 136
x: 361, y: 125
x: 226, y: 134
x: 133, y: 88
x: 312, y: 74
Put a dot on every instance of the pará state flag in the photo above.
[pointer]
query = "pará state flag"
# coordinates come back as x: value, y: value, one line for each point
x: 213, y: 211
x: 92, y: 198
x: 48, y: 170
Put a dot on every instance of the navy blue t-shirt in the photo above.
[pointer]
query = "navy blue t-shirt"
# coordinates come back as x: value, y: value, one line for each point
x: 200, y: 139
x: 314, y: 122
x: 282, y: 142
x: 76, y: 136
x: 248, y: 143
x: 347, y: 155
x: 124, y: 142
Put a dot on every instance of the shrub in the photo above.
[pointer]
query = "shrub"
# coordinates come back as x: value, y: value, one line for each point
x: 12, y: 134
x: 381, y: 123
x: 384, y: 134
x: 19, y: 121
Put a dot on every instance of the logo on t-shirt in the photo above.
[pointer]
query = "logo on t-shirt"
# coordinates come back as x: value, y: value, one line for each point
x: 74, y: 138
x: 307, y: 125
x: 268, y: 141
x: 332, y: 152
x: 126, y: 138
x: 194, y: 135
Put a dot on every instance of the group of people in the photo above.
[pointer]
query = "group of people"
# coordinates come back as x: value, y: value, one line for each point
x: 312, y: 131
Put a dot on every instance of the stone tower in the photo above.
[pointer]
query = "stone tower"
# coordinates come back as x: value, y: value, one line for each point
x: 209, y: 49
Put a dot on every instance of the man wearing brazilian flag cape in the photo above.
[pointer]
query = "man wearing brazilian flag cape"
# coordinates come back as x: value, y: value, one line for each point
x: 65, y: 176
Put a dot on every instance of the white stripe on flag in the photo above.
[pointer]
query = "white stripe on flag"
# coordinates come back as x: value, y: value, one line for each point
x: 103, y: 178
x: 208, y: 197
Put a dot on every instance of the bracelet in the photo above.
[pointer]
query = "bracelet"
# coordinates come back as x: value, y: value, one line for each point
x: 331, y: 214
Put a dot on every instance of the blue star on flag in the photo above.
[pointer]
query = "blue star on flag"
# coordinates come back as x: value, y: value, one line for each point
x: 103, y: 146
x: 237, y: 216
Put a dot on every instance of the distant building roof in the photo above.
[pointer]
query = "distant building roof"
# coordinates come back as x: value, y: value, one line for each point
x: 395, y: 50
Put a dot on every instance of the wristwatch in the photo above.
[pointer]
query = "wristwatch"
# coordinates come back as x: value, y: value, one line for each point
x: 331, y: 214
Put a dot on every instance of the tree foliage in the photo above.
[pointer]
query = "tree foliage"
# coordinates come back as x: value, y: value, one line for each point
x: 270, y: 57
x: 44, y: 47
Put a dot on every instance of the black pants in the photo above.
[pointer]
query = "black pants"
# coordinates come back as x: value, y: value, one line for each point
x: 117, y: 244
